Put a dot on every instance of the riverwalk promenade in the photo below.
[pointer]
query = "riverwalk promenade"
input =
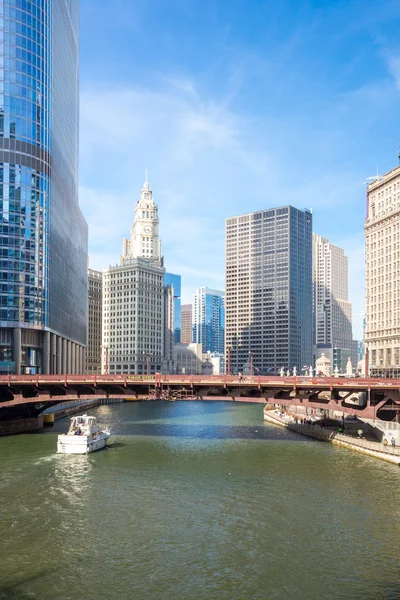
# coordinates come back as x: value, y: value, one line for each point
x: 349, y: 440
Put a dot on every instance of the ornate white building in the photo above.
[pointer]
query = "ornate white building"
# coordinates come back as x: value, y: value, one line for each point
x: 136, y: 307
x: 382, y: 247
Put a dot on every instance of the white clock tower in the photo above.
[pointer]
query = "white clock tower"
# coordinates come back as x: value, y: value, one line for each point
x: 145, y: 241
x: 137, y: 308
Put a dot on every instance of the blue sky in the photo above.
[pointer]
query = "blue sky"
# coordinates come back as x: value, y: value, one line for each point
x: 234, y: 107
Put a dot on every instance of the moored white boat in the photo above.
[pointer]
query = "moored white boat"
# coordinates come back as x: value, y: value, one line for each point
x: 83, y: 436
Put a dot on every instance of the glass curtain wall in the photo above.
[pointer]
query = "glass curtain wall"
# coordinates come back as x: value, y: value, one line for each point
x: 43, y: 235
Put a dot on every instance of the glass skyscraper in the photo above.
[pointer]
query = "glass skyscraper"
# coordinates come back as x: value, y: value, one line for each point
x: 175, y: 281
x: 208, y: 319
x: 268, y: 298
x: 43, y: 240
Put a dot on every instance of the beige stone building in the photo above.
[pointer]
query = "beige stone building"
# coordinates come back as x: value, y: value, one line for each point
x: 190, y: 360
x: 382, y: 231
x: 95, y: 303
x: 332, y: 311
x: 186, y: 323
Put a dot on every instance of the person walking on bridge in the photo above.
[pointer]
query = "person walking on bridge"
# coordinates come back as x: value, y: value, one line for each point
x: 393, y: 441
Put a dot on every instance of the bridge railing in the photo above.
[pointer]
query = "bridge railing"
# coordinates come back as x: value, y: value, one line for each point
x: 212, y: 380
x: 329, y: 434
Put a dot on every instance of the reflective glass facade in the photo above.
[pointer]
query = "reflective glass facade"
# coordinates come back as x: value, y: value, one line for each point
x: 43, y: 234
x: 268, y: 297
x: 175, y: 280
x: 209, y: 320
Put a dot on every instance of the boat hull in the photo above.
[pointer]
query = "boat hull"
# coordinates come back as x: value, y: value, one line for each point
x: 75, y: 444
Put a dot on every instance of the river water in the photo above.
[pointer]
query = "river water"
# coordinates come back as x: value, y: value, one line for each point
x: 196, y: 500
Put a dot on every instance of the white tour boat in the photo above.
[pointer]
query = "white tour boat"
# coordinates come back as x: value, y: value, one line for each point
x: 83, y: 436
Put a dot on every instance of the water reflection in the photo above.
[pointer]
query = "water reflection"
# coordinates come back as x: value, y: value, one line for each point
x: 197, y: 500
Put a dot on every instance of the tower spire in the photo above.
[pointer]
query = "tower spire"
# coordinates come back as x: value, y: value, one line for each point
x: 146, y: 183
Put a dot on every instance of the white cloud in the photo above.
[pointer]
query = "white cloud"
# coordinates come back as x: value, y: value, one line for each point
x: 194, y: 150
x: 206, y: 162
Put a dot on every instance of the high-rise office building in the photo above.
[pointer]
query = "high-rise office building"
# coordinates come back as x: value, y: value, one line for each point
x: 43, y: 265
x: 382, y: 239
x: 175, y: 281
x: 95, y: 304
x: 135, y: 300
x: 268, y: 297
x: 186, y: 324
x: 208, y: 320
x: 167, y: 365
x: 332, y: 311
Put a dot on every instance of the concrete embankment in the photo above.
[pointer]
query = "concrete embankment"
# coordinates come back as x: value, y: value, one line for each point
x: 68, y: 408
x: 25, y: 425
x: 375, y: 449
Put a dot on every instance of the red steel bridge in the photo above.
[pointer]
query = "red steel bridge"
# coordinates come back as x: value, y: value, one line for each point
x: 26, y: 396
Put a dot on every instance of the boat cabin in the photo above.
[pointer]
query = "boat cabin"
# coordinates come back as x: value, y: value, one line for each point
x: 81, y: 425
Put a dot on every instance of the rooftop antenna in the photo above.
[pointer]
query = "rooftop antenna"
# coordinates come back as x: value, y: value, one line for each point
x: 398, y: 154
x: 376, y: 177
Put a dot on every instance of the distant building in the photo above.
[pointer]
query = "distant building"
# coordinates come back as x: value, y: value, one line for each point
x: 218, y: 363
x: 268, y: 297
x: 190, y: 360
x: 134, y: 299
x: 359, y: 324
x: 382, y: 240
x: 167, y: 365
x: 95, y: 304
x: 175, y: 281
x: 208, y: 320
x: 332, y: 311
x: 186, y: 323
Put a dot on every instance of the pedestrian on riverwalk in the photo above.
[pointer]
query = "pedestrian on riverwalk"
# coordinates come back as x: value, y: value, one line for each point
x: 393, y: 442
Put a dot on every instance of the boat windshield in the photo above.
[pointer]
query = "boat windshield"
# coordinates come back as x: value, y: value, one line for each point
x: 82, y: 422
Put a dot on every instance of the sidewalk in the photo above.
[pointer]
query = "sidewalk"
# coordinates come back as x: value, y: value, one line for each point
x: 349, y: 440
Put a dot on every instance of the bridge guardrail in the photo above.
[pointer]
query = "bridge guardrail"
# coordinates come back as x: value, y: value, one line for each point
x: 321, y: 383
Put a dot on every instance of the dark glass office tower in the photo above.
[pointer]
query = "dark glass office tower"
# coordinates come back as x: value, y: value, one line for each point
x: 175, y: 281
x: 43, y: 239
x: 268, y: 298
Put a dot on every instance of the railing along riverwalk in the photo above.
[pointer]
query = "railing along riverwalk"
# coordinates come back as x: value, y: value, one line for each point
x: 329, y: 435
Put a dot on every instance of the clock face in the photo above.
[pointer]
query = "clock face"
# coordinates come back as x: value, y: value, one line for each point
x: 147, y: 228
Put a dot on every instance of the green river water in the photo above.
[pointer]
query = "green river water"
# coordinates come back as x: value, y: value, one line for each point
x: 196, y: 500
